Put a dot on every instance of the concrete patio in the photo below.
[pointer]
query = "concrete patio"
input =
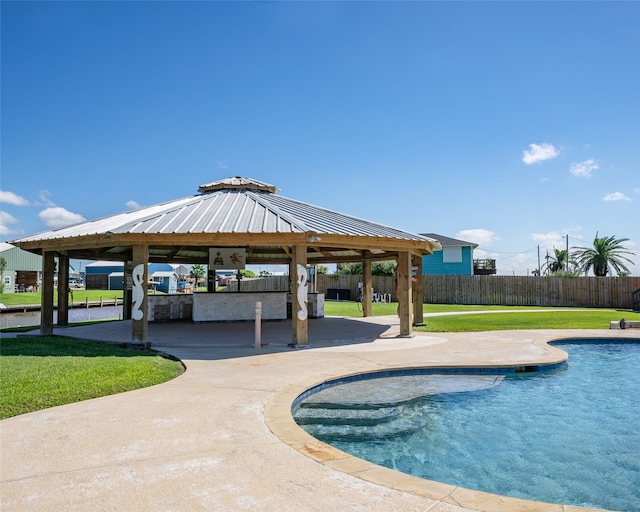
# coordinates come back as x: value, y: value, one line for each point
x: 221, y: 437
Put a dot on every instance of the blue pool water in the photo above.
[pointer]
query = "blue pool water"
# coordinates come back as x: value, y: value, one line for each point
x: 569, y: 435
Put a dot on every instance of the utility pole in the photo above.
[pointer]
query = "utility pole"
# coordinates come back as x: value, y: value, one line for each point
x: 546, y: 259
x: 567, y: 253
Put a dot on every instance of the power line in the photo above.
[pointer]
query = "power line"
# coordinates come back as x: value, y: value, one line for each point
x: 577, y: 239
x: 512, y: 253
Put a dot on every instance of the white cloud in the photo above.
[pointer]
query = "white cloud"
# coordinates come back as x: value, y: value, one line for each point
x: 132, y: 205
x: 518, y: 265
x: 56, y: 217
x: 584, y: 169
x: 7, y: 197
x: 477, y: 236
x: 539, y: 152
x: 223, y: 165
x: 44, y: 197
x: 634, y: 268
x: 556, y: 239
x: 5, y: 220
x: 616, y: 196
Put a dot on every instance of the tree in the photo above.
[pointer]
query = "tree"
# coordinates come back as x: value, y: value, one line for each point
x: 3, y: 267
x: 349, y: 268
x: 378, y: 268
x: 559, y: 262
x: 322, y: 269
x: 607, y: 254
x: 197, y: 272
x: 384, y: 268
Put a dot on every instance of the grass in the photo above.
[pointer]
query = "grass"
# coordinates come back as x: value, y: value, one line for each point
x: 516, y: 317
x: 79, y: 295
x: 354, y: 309
x: 27, y: 328
x: 579, y: 319
x: 42, y: 372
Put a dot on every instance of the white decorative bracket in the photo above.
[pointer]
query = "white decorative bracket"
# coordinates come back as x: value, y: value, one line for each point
x: 302, y: 292
x: 137, y: 275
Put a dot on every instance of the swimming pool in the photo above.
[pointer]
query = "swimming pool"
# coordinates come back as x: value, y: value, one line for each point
x: 569, y: 435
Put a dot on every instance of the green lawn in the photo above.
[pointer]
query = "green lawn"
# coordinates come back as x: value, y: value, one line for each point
x: 579, y: 319
x: 332, y: 308
x: 517, y: 317
x: 38, y: 373
x: 79, y: 295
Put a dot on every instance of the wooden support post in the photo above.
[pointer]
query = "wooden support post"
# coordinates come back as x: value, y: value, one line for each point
x: 127, y: 290
x: 299, y: 310
x: 139, y: 312
x: 46, y: 301
x: 418, y: 290
x: 403, y: 274
x: 367, y: 308
x: 63, y: 290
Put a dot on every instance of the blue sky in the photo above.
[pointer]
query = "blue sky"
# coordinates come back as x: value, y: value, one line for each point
x: 507, y: 124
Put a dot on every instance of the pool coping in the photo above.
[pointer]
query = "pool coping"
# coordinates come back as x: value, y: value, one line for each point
x: 278, y: 417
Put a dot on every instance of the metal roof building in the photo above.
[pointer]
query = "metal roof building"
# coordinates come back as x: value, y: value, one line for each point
x: 18, y: 263
x: 236, y: 212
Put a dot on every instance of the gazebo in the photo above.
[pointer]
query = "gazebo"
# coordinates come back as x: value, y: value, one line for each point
x: 240, y: 214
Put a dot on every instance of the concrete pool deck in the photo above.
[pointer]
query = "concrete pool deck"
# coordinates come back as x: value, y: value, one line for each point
x: 221, y: 436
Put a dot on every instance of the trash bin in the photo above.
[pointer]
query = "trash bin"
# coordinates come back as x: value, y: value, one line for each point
x: 338, y: 294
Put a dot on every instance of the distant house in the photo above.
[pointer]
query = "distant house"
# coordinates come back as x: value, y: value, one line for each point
x: 182, y: 271
x: 456, y: 258
x: 115, y: 280
x: 165, y: 281
x: 109, y: 275
x: 23, y: 270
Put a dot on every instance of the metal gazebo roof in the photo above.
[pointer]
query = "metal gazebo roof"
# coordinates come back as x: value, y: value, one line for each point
x: 233, y: 212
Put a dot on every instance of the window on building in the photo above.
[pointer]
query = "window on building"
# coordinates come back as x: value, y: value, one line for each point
x: 7, y: 280
x: 452, y: 254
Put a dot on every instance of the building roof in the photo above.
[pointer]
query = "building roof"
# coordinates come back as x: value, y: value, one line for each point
x: 18, y: 259
x: 4, y: 246
x: 99, y: 264
x: 446, y: 241
x: 163, y: 273
x: 234, y: 212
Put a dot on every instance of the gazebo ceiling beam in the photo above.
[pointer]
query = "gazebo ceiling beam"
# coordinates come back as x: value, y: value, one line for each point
x: 226, y: 239
x: 201, y: 254
x: 107, y: 243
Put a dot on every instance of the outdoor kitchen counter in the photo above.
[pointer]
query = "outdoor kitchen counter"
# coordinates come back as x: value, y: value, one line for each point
x: 238, y: 306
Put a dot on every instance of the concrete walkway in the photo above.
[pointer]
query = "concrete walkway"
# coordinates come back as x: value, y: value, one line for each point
x: 221, y: 437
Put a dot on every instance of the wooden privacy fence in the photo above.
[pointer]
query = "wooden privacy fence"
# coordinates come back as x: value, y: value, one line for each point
x: 592, y: 292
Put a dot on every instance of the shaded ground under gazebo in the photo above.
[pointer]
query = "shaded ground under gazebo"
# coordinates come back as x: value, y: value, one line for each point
x: 240, y: 214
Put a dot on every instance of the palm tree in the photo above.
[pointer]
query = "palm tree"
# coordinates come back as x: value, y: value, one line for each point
x: 607, y: 254
x: 197, y: 272
x: 560, y: 261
